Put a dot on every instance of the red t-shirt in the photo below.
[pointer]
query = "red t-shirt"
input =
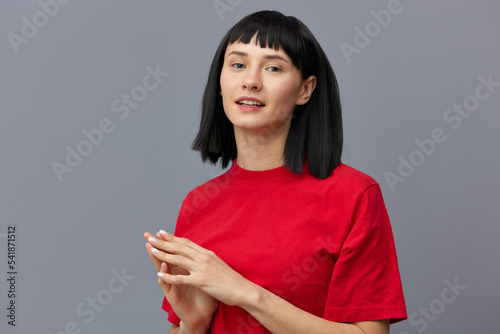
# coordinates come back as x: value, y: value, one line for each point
x: 326, y: 246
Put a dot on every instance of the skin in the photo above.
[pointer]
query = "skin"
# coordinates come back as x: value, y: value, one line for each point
x: 195, y: 279
x: 271, y: 77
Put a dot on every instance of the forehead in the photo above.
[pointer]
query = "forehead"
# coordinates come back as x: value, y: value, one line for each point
x: 253, y: 49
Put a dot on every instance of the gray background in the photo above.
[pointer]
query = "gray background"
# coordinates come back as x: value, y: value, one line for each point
x: 72, y: 234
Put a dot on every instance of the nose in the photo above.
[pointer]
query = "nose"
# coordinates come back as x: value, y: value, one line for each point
x: 252, y: 80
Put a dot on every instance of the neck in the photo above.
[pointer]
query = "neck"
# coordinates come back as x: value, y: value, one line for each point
x: 260, y: 150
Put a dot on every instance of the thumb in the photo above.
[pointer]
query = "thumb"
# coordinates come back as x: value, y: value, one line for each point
x: 156, y: 262
x: 163, y: 285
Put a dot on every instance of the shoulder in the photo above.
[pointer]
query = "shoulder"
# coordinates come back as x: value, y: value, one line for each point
x: 344, y: 188
x: 349, y: 178
x: 210, y: 188
x: 204, y: 198
x: 352, y: 173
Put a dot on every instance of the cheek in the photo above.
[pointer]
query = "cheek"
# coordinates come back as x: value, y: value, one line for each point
x: 286, y: 98
x: 225, y: 91
x: 286, y: 95
x: 226, y: 82
x: 222, y: 84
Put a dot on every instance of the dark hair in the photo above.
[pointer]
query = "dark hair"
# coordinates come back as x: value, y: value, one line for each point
x: 316, y: 128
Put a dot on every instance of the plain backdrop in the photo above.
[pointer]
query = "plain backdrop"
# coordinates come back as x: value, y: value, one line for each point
x: 419, y: 116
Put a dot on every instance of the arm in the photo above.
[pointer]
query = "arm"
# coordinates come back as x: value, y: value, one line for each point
x: 279, y: 316
x: 212, y: 275
x: 290, y: 319
x: 367, y: 256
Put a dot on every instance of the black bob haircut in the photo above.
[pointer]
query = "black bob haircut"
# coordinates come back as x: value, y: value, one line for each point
x: 316, y: 129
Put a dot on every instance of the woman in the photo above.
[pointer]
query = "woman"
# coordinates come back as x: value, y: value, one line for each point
x: 289, y: 239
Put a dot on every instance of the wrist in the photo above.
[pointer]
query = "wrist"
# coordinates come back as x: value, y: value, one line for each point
x: 261, y: 303
x: 254, y: 300
x: 184, y: 329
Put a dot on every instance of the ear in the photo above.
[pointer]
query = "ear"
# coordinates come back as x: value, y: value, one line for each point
x: 306, y: 90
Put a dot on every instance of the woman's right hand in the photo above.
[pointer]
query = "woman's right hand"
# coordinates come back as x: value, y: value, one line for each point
x: 194, y: 307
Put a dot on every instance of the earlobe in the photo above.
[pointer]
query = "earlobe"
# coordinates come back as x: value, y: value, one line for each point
x: 307, y: 90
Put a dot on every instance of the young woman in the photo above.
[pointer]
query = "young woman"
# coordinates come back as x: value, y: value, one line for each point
x: 289, y: 239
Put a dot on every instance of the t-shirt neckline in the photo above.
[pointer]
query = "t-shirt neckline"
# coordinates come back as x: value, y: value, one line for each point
x: 261, y: 176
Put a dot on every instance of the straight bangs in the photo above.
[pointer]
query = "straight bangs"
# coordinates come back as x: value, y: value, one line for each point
x: 273, y: 30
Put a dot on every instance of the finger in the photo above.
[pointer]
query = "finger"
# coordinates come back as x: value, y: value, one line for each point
x: 164, y: 268
x: 155, y: 260
x: 174, y: 247
x: 170, y: 238
x: 177, y: 260
x: 174, y: 279
x: 164, y: 286
x: 147, y: 235
x: 160, y: 236
x: 173, y: 269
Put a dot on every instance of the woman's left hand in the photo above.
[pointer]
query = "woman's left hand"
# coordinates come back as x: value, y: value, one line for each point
x: 206, y: 270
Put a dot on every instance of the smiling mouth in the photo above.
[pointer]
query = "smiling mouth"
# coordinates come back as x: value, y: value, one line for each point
x: 250, y: 103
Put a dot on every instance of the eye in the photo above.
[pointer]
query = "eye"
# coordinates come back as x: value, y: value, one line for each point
x: 238, y: 65
x: 274, y: 69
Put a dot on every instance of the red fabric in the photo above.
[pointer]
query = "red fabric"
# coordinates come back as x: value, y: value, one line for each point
x: 325, y: 246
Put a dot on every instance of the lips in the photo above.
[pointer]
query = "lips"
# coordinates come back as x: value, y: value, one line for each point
x: 249, y: 102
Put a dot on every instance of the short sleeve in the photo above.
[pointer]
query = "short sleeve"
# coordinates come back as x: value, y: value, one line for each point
x: 366, y: 283
x: 172, y: 317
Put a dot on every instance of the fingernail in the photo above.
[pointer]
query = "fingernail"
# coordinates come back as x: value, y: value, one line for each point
x: 163, y: 233
x: 154, y: 250
x: 152, y: 240
x: 160, y: 274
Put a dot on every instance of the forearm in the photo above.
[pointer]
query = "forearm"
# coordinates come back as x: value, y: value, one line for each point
x: 218, y: 282
x: 280, y: 316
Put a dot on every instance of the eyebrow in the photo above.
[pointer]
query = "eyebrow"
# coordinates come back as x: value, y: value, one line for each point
x: 244, y: 54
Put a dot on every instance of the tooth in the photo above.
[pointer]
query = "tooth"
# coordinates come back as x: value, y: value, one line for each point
x: 250, y: 102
